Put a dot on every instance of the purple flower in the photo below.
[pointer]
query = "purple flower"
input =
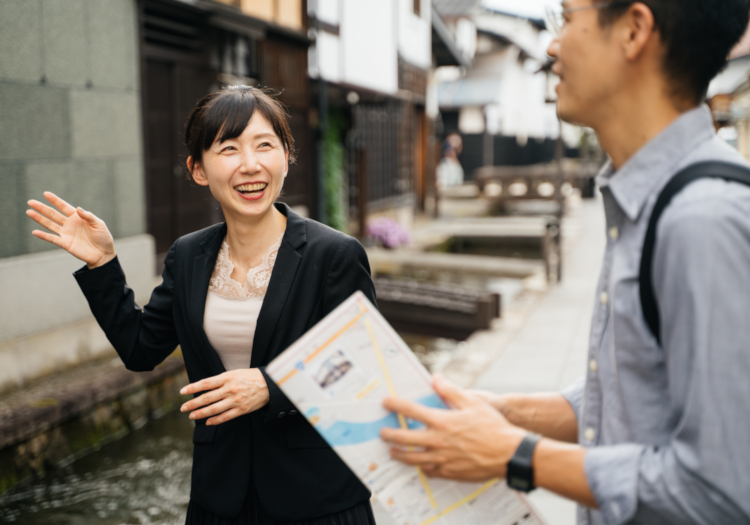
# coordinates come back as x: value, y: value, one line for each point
x: 388, y: 233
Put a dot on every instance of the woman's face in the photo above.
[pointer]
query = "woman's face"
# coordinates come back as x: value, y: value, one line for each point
x: 245, y: 174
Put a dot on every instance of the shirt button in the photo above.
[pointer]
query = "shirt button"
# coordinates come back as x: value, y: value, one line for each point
x: 593, y: 365
x: 614, y: 233
x: 604, y: 298
x: 282, y: 414
x: 292, y: 412
x: 590, y: 434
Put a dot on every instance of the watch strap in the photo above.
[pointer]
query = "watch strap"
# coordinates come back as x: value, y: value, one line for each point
x: 520, y: 472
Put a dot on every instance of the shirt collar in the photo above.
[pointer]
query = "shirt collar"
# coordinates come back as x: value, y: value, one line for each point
x: 638, y: 178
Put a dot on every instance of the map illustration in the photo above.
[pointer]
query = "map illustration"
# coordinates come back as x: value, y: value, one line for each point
x: 338, y: 374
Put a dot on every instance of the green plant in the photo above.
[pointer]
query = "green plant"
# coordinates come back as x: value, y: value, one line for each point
x: 334, y: 182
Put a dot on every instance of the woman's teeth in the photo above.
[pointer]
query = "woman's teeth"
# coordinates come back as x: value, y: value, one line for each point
x: 251, y: 188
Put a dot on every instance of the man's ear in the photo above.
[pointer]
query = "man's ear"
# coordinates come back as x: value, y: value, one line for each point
x: 196, y: 170
x: 639, y: 30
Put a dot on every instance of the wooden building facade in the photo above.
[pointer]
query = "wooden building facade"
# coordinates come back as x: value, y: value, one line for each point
x: 188, y: 51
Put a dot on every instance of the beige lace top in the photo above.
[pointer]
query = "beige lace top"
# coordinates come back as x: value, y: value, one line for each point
x: 232, y: 309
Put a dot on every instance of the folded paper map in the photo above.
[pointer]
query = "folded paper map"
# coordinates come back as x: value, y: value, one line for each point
x: 338, y: 374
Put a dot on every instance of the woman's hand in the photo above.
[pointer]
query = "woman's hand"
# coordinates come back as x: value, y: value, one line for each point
x: 80, y: 233
x: 228, y: 395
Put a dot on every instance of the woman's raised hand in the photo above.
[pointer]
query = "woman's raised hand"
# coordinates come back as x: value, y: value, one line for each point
x: 81, y: 233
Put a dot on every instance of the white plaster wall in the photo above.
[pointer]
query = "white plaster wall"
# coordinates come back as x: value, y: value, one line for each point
x: 39, y: 292
x: 369, y: 44
x: 327, y: 10
x: 415, y: 33
x: 329, y: 56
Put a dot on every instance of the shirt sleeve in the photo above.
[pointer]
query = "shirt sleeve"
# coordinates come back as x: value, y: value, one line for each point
x: 702, y: 287
x: 574, y: 395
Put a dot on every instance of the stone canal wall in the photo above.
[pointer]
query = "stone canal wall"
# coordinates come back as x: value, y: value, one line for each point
x: 56, y: 419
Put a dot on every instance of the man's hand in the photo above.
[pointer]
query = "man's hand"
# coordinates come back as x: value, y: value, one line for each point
x: 473, y: 442
x: 227, y: 396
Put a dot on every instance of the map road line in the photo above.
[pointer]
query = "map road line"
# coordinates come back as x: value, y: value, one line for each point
x: 457, y: 504
x: 401, y: 419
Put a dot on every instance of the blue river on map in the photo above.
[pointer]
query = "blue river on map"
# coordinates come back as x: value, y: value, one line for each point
x: 349, y: 433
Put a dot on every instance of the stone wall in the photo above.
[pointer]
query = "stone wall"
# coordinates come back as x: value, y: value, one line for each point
x: 70, y: 122
x: 69, y: 113
x: 52, y: 422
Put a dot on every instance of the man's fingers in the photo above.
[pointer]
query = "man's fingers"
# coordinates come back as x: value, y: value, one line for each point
x: 414, y: 438
x: 44, y: 221
x: 409, y: 409
x: 60, y: 204
x: 415, y: 457
x: 54, y: 239
x: 451, y: 394
x: 48, y: 212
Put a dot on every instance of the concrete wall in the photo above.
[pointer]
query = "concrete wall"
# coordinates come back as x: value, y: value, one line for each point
x: 69, y: 114
x: 45, y: 322
x: 70, y: 122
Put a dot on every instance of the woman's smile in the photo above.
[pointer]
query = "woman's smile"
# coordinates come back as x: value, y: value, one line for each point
x: 252, y: 191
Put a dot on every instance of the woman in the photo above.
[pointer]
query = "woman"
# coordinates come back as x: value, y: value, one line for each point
x: 234, y: 296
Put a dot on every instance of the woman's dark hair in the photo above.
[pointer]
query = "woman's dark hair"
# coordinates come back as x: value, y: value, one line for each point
x: 697, y: 36
x: 225, y: 114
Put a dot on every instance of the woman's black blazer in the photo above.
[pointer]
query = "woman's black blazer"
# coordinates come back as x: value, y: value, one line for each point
x: 295, y: 473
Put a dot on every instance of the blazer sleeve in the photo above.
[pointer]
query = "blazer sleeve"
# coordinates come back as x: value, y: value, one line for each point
x: 349, y: 272
x: 143, y: 337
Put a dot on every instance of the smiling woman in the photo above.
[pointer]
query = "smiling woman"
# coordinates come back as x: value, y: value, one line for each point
x: 234, y: 296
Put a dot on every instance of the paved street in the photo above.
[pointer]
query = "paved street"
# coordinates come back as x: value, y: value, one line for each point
x: 547, y: 351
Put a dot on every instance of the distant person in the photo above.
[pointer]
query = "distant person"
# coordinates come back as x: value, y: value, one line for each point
x: 449, y: 171
x: 658, y: 432
x: 234, y: 296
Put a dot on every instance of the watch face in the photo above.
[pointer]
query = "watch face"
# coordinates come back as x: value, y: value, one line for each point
x: 519, y: 484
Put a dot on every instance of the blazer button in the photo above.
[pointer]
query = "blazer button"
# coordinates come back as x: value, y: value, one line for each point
x: 282, y: 414
x: 293, y: 412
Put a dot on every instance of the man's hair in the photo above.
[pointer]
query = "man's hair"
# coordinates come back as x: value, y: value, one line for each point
x: 697, y: 36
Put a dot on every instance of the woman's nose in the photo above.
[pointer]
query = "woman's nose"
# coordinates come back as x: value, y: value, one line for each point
x: 249, y: 161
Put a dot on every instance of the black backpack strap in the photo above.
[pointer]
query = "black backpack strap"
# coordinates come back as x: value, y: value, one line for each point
x: 715, y: 169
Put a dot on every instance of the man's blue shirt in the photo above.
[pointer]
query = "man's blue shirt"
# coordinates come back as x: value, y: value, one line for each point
x: 668, y: 428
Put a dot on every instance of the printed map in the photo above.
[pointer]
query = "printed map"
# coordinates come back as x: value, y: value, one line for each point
x: 338, y: 374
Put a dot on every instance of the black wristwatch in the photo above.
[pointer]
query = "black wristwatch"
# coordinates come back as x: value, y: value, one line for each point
x: 520, y: 470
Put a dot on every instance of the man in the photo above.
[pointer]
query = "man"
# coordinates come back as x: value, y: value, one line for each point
x: 664, y: 428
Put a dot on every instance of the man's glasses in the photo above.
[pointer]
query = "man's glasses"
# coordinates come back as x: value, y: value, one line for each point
x: 556, y: 15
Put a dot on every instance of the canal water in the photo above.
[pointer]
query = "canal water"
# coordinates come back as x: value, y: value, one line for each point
x: 144, y: 477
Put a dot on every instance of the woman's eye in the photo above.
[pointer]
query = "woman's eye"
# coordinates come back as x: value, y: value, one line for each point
x: 229, y: 148
x: 265, y: 145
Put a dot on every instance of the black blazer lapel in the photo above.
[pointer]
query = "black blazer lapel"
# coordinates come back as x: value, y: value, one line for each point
x: 282, y: 277
x: 203, y: 265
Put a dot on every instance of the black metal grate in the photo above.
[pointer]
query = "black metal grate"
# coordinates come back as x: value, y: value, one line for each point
x: 386, y: 132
